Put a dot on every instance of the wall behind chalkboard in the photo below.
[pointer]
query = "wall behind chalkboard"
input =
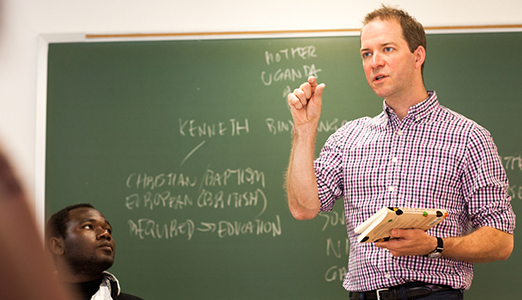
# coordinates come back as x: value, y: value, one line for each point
x: 183, y: 146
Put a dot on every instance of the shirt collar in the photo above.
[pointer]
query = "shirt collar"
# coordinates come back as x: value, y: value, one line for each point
x: 112, y: 283
x: 418, y: 111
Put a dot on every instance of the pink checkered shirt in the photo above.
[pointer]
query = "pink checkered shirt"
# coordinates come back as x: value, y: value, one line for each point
x: 433, y: 158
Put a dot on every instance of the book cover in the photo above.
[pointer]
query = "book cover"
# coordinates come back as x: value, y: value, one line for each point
x: 377, y: 228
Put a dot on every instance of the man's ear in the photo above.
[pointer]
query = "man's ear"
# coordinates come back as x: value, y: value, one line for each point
x: 56, y: 245
x: 420, y: 56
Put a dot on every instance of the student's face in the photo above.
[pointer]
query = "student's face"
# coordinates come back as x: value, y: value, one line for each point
x: 388, y: 64
x: 89, y: 246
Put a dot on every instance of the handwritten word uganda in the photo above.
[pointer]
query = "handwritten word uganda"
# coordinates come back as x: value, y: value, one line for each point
x: 291, y: 73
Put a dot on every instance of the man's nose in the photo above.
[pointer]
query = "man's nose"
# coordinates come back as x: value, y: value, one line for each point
x: 104, y: 234
x: 377, y: 60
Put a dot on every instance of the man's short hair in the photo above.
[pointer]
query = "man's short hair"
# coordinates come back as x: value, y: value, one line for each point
x: 412, y: 31
x: 57, y: 224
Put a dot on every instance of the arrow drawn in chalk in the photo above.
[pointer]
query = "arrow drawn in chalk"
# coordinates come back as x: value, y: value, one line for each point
x: 192, y: 152
x: 208, y: 227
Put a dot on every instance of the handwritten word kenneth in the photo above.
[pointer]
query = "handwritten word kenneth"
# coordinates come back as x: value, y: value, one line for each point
x: 194, y: 129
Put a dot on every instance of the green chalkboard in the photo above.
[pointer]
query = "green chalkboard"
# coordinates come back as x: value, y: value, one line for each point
x: 183, y: 145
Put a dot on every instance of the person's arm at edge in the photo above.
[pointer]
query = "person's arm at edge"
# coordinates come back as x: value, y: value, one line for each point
x: 301, y: 186
x: 27, y: 268
x: 485, y: 244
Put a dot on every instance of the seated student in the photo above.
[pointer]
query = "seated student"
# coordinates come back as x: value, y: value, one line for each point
x: 80, y: 241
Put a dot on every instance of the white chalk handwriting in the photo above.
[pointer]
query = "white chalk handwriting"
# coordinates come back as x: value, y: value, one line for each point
x: 335, y: 273
x: 194, y: 128
x: 332, y: 218
x: 146, y: 228
x: 227, y: 177
x: 230, y: 176
x: 290, y: 74
x: 304, y: 53
x: 146, y: 181
x: 512, y: 162
x: 206, y: 199
x: 282, y: 126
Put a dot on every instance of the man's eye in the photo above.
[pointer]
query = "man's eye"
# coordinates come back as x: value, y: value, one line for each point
x: 88, y: 226
x: 388, y: 49
x: 366, y: 54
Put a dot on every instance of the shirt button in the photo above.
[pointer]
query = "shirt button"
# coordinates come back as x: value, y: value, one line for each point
x: 394, y: 160
x: 399, y: 132
x: 387, y: 275
x: 391, y: 188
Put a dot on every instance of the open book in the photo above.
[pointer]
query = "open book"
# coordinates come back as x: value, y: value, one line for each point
x: 378, y: 227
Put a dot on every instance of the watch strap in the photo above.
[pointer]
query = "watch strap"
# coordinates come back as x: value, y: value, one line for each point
x: 438, y: 251
x: 440, y: 245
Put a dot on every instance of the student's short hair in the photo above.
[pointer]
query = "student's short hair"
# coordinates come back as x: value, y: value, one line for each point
x: 57, y: 224
x: 412, y: 31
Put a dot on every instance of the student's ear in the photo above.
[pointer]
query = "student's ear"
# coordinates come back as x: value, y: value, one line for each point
x: 420, y: 56
x: 56, y: 246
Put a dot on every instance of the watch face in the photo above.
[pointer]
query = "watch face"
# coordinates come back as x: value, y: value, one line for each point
x: 434, y: 255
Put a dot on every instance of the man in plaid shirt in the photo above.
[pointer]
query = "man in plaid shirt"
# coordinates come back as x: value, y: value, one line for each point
x: 416, y: 153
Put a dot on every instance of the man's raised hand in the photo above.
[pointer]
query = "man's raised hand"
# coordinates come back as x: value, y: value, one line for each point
x: 305, y: 102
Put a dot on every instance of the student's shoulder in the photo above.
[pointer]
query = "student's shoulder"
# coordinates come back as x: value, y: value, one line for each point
x: 124, y: 296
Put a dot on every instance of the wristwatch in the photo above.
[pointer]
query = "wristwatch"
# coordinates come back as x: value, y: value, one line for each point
x: 438, y: 251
